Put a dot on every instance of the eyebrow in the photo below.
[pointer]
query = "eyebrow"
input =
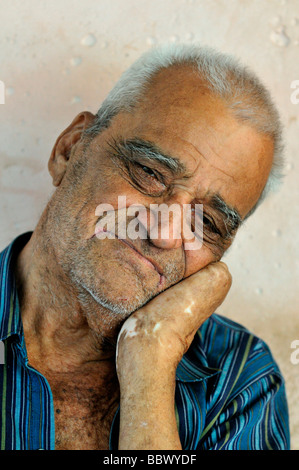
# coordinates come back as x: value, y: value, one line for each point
x: 233, y: 219
x: 137, y: 149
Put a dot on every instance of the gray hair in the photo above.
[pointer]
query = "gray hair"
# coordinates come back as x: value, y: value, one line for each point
x: 240, y: 88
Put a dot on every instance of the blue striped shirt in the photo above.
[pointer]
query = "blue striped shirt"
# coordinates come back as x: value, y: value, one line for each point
x: 229, y: 394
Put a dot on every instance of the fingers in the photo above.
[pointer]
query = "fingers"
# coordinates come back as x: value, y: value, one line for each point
x: 212, y: 283
x: 207, y: 288
x: 191, y: 301
x: 166, y: 325
x: 204, y: 292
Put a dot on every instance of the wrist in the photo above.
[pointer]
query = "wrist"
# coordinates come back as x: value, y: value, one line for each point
x: 148, y: 356
x: 147, y: 415
x: 146, y: 376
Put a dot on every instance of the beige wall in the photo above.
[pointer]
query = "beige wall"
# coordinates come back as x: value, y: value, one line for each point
x: 60, y: 57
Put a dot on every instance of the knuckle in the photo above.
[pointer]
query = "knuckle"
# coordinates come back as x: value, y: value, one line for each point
x: 220, y: 270
x: 220, y: 275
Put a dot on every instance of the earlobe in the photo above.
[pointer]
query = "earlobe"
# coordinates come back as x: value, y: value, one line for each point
x: 59, y: 157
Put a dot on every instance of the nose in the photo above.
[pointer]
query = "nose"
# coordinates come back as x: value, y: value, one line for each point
x: 168, y: 225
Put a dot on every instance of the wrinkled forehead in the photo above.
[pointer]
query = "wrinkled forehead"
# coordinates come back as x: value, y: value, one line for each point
x: 177, y: 87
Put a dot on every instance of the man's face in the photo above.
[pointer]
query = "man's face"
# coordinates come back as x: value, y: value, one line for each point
x: 219, y: 156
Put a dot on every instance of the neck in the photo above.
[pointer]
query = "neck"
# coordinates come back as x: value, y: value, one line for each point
x: 57, y: 334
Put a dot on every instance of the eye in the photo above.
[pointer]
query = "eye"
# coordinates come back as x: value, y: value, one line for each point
x: 209, y: 224
x: 146, y: 179
x: 148, y: 171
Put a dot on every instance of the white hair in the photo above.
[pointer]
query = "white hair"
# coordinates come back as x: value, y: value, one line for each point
x: 224, y: 75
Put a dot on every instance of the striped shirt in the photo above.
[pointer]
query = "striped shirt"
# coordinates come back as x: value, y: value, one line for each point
x: 229, y: 394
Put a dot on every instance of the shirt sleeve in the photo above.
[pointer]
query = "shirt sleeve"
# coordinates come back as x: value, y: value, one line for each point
x: 250, y: 411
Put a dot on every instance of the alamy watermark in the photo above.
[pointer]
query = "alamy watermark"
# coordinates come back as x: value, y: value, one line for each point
x: 295, y: 354
x: 2, y: 92
x: 158, y: 221
x: 295, y: 94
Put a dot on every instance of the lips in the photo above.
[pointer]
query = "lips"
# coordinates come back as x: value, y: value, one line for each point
x: 149, y: 261
x: 145, y: 258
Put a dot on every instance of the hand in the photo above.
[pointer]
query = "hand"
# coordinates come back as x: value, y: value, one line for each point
x: 150, y: 345
x: 166, y: 326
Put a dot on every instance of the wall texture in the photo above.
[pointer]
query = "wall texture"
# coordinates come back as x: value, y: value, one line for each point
x: 58, y: 58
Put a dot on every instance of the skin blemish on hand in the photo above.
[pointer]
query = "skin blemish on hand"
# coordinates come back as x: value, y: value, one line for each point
x: 188, y: 309
x: 156, y: 327
x: 130, y: 328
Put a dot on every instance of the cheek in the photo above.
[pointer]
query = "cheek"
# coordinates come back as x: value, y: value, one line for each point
x: 197, y: 260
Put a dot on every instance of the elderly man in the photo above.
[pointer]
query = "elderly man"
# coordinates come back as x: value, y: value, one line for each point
x: 112, y: 342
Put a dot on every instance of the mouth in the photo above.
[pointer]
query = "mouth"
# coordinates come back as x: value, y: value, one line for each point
x: 145, y: 259
x: 148, y: 261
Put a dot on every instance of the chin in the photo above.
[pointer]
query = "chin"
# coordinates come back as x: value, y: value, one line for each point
x: 118, y: 301
x: 114, y: 284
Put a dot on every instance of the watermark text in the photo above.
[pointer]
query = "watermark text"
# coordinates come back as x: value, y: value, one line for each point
x: 295, y: 94
x: 158, y: 221
x: 295, y: 354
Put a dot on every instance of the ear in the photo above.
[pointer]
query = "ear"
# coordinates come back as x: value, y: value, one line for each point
x: 62, y: 149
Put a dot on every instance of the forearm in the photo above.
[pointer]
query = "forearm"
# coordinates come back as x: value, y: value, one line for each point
x: 147, y: 415
x: 150, y: 345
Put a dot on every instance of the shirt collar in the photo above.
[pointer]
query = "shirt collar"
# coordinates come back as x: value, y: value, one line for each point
x: 10, y: 321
